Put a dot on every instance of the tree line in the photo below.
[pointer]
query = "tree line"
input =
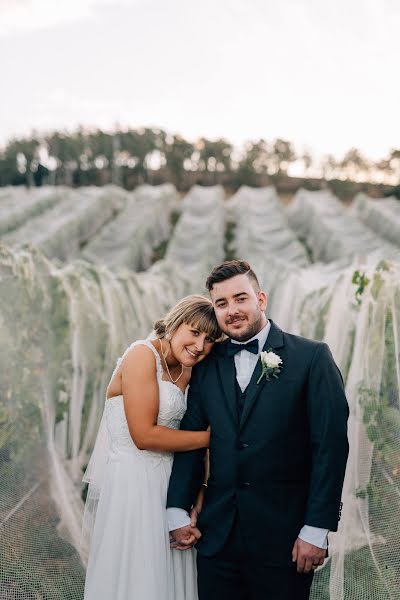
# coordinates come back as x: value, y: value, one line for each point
x: 129, y: 157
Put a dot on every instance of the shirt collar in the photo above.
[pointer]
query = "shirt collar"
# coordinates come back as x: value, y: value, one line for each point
x: 261, y: 336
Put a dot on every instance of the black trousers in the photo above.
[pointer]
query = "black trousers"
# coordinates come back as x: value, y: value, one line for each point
x: 234, y: 574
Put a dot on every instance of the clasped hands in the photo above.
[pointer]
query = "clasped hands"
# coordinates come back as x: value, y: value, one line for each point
x: 186, y: 537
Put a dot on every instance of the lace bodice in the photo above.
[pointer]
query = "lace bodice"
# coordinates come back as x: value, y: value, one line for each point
x: 172, y: 407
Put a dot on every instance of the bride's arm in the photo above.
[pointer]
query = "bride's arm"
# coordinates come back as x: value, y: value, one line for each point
x: 141, y: 402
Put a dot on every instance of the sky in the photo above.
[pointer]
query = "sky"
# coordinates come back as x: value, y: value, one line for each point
x: 322, y: 74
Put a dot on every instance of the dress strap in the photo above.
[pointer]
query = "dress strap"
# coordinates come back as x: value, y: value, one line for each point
x: 149, y: 345
x: 158, y: 357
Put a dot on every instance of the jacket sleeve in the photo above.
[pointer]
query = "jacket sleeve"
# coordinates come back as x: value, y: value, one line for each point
x: 189, y: 467
x: 327, y: 415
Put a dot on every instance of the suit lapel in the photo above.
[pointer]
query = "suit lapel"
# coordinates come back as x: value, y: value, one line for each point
x: 227, y: 376
x: 274, y: 341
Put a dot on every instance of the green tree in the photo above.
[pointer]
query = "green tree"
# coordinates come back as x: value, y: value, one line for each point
x: 330, y: 167
x: 394, y: 162
x: 307, y: 161
x: 177, y: 150
x: 67, y: 149
x: 255, y: 161
x: 138, y: 144
x: 11, y: 170
x: 214, y: 156
x: 354, y: 165
x: 282, y: 155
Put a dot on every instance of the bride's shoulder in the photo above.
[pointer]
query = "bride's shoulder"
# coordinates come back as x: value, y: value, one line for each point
x: 143, y: 350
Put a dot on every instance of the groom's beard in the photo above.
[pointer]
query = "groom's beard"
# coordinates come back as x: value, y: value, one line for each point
x: 251, y: 330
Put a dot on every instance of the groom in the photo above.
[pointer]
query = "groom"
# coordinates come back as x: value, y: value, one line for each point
x: 278, y: 452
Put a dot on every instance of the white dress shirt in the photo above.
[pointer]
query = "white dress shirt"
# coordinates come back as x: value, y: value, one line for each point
x: 245, y: 363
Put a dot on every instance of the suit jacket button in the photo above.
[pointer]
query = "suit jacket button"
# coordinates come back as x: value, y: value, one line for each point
x: 242, y: 446
x: 244, y: 484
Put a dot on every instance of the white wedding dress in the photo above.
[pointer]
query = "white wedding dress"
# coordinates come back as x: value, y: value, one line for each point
x: 130, y: 556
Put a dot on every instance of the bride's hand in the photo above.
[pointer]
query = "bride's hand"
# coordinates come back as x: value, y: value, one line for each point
x: 184, y: 538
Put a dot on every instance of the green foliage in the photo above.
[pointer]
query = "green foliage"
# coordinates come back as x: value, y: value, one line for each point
x: 381, y: 415
x: 229, y: 238
x: 382, y: 423
x: 342, y: 188
x: 309, y: 314
x: 177, y: 151
x: 214, y: 156
x: 160, y: 250
x: 361, y: 280
x: 282, y: 155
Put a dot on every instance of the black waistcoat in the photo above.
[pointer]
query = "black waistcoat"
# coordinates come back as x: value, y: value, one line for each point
x: 240, y: 399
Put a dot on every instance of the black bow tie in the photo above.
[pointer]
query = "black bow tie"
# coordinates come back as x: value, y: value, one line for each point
x: 232, y: 348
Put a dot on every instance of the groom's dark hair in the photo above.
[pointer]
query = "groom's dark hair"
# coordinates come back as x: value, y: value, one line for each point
x: 231, y: 268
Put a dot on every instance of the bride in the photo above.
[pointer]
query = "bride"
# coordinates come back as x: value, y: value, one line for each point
x: 130, y: 556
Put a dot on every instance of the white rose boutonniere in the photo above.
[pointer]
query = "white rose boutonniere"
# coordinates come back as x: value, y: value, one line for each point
x: 271, y: 365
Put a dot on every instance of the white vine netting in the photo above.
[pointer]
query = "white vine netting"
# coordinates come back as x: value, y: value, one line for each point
x: 262, y: 226
x: 383, y: 216
x: 198, y: 240
x: 130, y: 238
x: 62, y: 328
x: 332, y: 233
x: 19, y: 205
x: 61, y: 231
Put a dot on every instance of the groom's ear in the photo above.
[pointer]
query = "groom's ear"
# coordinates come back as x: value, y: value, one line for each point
x: 263, y: 299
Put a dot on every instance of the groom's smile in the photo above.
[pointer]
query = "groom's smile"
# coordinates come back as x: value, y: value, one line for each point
x: 236, y: 323
x: 235, y: 320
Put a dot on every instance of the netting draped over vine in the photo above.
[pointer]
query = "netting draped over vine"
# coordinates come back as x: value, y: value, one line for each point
x: 359, y: 319
x: 130, y: 238
x: 364, y: 339
x: 18, y: 205
x: 198, y: 240
x: 332, y: 233
x: 62, y: 328
x: 383, y: 216
x: 262, y: 228
x: 61, y: 231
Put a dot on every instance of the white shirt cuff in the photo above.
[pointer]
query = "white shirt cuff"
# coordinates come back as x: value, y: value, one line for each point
x: 315, y: 535
x: 177, y: 517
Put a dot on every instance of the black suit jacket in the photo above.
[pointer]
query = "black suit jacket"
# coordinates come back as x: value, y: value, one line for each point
x: 282, y: 466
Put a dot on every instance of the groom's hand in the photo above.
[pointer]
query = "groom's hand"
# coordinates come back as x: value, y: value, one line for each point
x: 307, y: 556
x: 184, y: 537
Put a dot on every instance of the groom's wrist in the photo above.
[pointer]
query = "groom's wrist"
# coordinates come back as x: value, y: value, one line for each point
x: 317, y: 536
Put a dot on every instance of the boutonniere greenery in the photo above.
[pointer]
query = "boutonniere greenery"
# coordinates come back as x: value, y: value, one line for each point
x: 271, y: 365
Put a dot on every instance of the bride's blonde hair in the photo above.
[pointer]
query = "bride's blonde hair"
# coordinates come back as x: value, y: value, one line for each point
x: 194, y: 310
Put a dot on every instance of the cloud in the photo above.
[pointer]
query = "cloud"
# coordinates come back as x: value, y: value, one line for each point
x: 27, y: 15
x: 317, y: 74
